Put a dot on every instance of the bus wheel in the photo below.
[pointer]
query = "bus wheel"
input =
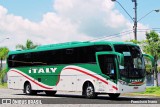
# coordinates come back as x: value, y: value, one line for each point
x: 114, y: 95
x: 89, y: 91
x: 28, y: 89
x: 50, y: 93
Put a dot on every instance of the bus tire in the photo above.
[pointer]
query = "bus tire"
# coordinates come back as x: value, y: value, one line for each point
x: 114, y: 95
x: 28, y: 89
x: 89, y: 91
x: 50, y: 93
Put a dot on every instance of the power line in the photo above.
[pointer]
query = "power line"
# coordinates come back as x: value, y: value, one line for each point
x: 123, y: 34
x: 113, y: 35
x: 116, y: 36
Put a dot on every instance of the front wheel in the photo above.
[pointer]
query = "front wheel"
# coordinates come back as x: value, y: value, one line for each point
x: 28, y: 89
x: 89, y: 91
x: 114, y: 95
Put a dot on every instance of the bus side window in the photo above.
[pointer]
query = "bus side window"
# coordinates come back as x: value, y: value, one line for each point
x: 69, y: 51
x: 27, y: 59
x: 99, y: 48
x: 107, y: 65
x: 39, y: 58
x: 11, y: 62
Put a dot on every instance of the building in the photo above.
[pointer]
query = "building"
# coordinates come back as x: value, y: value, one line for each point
x: 3, y: 66
x: 158, y: 63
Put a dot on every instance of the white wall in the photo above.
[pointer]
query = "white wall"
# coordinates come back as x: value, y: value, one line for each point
x: 3, y: 64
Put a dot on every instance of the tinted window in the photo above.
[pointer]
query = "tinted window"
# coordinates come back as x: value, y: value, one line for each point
x: 107, y: 65
x: 62, y: 56
x: 20, y: 60
x: 133, y: 61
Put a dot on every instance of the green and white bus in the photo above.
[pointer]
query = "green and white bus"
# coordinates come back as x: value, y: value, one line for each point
x: 89, y: 67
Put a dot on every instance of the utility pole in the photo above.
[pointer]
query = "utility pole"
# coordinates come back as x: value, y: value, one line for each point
x: 135, y: 19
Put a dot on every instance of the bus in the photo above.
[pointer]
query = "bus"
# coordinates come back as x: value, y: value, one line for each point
x: 91, y: 68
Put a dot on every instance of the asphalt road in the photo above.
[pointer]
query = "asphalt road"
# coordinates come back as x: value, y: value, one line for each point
x: 75, y: 98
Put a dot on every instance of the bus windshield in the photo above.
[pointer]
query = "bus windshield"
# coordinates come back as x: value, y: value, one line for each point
x: 133, y: 61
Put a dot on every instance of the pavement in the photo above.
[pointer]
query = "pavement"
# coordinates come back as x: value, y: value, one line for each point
x: 72, y: 98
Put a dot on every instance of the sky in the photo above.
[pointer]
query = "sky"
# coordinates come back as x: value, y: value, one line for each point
x: 57, y: 21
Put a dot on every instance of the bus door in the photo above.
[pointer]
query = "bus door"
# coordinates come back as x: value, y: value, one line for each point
x: 109, y: 64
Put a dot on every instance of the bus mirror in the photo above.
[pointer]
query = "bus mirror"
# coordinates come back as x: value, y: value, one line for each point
x: 150, y: 57
x: 121, y: 59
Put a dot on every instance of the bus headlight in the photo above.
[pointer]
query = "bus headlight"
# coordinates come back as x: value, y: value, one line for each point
x: 122, y: 82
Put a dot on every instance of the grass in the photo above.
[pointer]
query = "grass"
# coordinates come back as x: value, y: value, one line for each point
x: 4, y: 85
x: 150, y: 91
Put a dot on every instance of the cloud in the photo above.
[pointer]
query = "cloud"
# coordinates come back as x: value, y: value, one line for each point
x: 71, y: 20
x: 52, y: 29
x: 94, y: 17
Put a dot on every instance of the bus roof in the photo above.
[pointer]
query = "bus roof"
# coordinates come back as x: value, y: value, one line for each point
x: 68, y: 45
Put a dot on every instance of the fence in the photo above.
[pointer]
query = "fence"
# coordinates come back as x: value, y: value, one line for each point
x: 150, y: 79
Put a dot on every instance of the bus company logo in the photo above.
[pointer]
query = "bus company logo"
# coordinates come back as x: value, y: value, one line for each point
x: 6, y: 101
x: 42, y: 70
x: 136, y: 80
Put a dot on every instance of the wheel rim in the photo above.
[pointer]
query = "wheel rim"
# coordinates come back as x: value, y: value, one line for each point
x: 28, y: 89
x: 89, y: 91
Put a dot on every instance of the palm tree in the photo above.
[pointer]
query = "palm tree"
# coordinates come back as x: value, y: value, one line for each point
x: 29, y: 45
x: 2, y: 74
x: 3, y: 54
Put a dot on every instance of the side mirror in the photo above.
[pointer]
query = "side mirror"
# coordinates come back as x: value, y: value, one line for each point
x: 120, y: 58
x: 150, y: 57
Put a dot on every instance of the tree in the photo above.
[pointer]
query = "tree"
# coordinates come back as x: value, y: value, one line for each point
x: 152, y: 46
x: 3, y: 54
x: 29, y: 45
x: 2, y: 74
x: 134, y: 41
